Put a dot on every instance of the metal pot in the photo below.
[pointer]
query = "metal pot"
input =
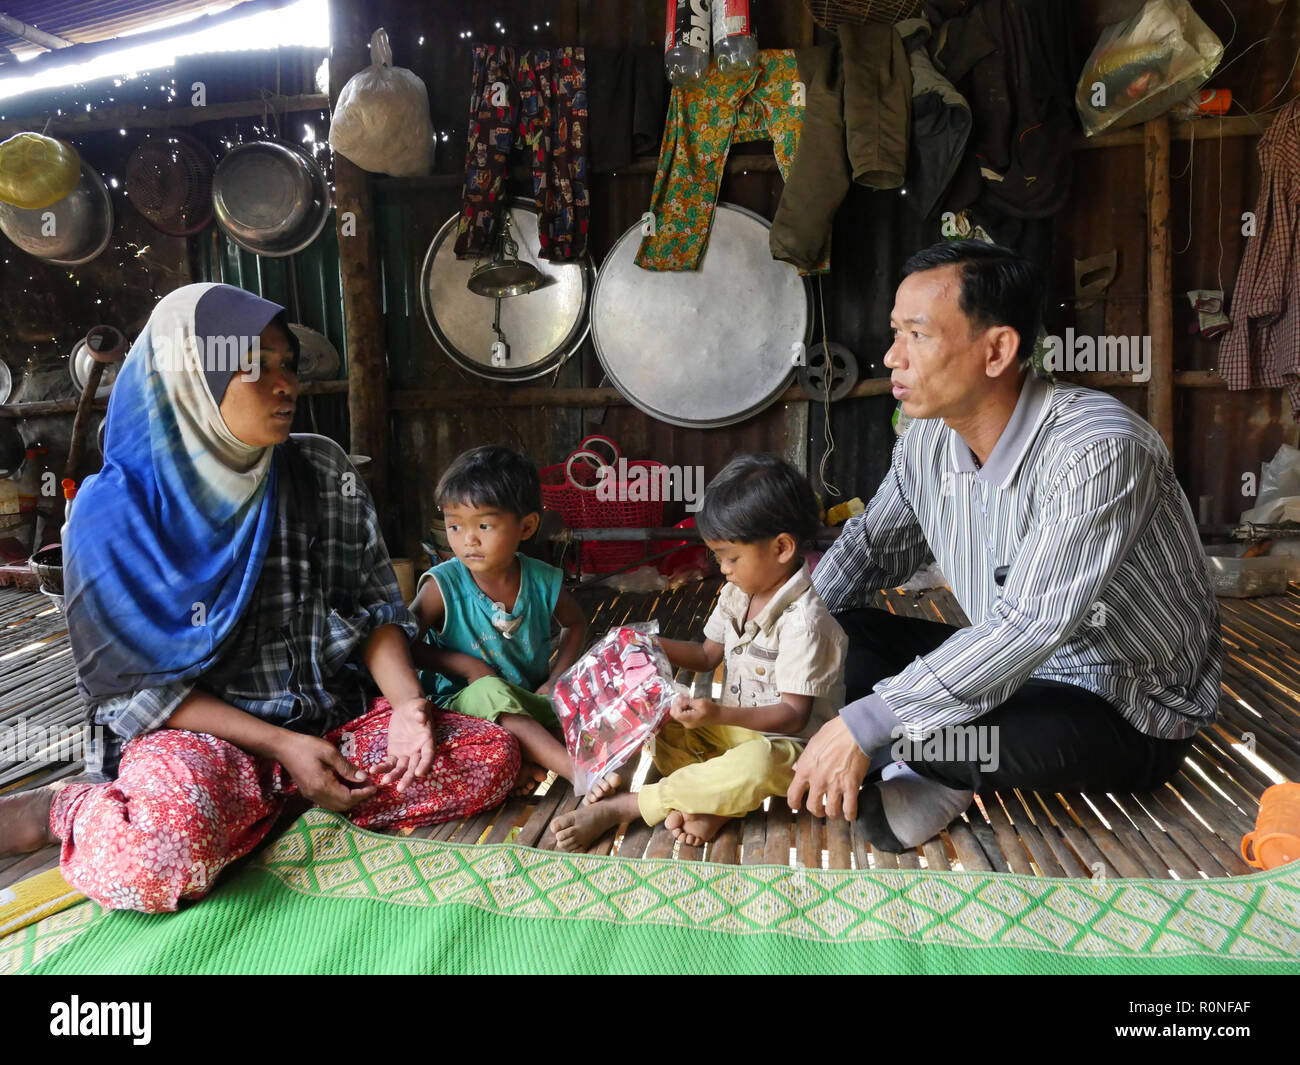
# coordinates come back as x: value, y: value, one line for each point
x: 68, y: 233
x: 270, y: 197
x: 6, y: 382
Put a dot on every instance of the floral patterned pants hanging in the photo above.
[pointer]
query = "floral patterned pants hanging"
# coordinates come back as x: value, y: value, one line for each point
x: 537, y: 97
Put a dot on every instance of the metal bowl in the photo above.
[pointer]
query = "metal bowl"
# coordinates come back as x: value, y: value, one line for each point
x: 270, y: 197
x: 68, y: 233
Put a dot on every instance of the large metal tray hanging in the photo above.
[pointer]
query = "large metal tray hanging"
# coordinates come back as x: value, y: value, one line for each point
x: 704, y: 348
x: 542, y: 328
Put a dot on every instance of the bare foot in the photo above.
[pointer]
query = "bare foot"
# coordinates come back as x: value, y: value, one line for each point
x: 25, y: 821
x: 603, y: 788
x: 530, y: 776
x: 694, y: 830
x: 583, y: 826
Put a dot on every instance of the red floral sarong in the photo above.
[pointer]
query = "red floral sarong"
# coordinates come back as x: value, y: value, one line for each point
x: 185, y: 804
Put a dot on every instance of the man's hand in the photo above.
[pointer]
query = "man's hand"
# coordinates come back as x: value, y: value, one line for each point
x: 692, y: 713
x: 545, y: 688
x: 410, y: 744
x: 833, y: 766
x: 322, y: 774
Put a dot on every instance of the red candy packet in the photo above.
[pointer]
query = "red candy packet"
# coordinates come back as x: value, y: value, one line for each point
x: 612, y: 700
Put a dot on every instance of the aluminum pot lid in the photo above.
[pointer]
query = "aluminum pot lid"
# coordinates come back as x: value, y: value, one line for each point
x: 318, y: 359
x: 542, y: 327
x: 70, y: 232
x: 703, y: 348
x: 79, y: 364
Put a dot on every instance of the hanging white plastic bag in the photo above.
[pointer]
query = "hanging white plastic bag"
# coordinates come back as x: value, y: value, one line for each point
x: 381, y: 121
x: 1143, y: 66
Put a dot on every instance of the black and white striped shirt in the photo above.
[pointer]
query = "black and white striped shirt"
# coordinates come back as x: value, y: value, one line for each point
x: 1106, y: 587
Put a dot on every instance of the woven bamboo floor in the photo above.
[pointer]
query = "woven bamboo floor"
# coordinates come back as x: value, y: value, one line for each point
x: 1189, y: 828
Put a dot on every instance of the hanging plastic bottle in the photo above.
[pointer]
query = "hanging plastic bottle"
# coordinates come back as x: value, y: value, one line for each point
x: 686, y: 46
x: 734, y: 45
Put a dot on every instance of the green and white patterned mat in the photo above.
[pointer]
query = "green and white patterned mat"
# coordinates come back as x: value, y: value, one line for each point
x: 328, y: 897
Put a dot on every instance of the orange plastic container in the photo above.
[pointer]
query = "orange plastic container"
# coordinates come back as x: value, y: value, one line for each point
x: 1276, y: 839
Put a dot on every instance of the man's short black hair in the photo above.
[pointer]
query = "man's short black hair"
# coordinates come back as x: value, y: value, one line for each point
x: 999, y: 286
x: 758, y: 497
x: 492, y: 477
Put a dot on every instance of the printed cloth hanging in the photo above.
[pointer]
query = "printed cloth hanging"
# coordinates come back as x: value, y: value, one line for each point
x: 538, y: 98
x: 1262, y: 347
x: 703, y: 122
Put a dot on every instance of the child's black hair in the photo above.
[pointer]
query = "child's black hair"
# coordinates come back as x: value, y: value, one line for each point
x: 758, y: 497
x: 492, y: 477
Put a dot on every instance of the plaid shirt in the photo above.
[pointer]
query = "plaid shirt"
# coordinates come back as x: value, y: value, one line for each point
x: 1262, y: 349
x: 327, y: 583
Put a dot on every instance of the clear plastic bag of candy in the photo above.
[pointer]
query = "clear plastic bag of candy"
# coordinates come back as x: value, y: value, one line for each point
x: 612, y: 700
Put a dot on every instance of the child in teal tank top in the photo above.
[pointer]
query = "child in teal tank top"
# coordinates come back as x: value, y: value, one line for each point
x: 485, y: 616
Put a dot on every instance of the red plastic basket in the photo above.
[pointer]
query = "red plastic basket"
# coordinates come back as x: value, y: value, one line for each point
x: 569, y: 489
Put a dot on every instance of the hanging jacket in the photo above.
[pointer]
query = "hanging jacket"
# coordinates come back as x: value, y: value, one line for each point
x: 1013, y: 62
x: 941, y: 123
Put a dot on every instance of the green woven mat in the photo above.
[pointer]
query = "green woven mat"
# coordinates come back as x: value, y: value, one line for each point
x: 330, y: 898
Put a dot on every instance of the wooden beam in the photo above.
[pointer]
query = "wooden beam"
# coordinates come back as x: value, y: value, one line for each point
x: 1201, y: 129
x: 1160, y: 282
x: 1182, y: 379
x: 43, y: 407
x: 359, y: 266
x: 737, y: 163
x: 462, y: 399
x: 144, y: 117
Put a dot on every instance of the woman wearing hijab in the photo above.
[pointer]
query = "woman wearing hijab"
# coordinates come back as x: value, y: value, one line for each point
x: 227, y: 594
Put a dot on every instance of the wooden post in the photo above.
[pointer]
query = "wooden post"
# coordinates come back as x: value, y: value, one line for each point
x: 1160, y: 282
x: 359, y: 266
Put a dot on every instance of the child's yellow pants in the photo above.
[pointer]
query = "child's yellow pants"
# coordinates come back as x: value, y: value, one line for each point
x: 715, y: 769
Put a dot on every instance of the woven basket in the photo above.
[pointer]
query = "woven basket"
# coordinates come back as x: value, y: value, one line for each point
x: 569, y: 489
x: 831, y: 13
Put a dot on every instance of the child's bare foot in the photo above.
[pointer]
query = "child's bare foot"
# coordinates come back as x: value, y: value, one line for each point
x: 530, y: 776
x: 583, y: 826
x: 25, y: 821
x: 603, y: 788
x: 694, y: 830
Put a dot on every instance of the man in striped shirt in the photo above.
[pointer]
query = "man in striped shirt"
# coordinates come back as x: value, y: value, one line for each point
x: 1094, y: 651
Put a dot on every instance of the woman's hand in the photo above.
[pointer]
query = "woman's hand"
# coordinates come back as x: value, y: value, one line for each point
x: 322, y: 774
x: 410, y: 744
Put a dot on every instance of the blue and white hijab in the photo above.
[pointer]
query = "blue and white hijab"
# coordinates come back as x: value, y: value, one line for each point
x: 163, y: 547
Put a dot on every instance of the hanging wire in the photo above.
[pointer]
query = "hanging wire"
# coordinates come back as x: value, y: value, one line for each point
x: 827, y: 435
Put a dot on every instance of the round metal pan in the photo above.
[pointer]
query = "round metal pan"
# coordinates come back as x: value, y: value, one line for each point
x: 79, y: 364
x: 543, y: 328
x: 270, y: 197
x: 77, y: 229
x: 703, y: 348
